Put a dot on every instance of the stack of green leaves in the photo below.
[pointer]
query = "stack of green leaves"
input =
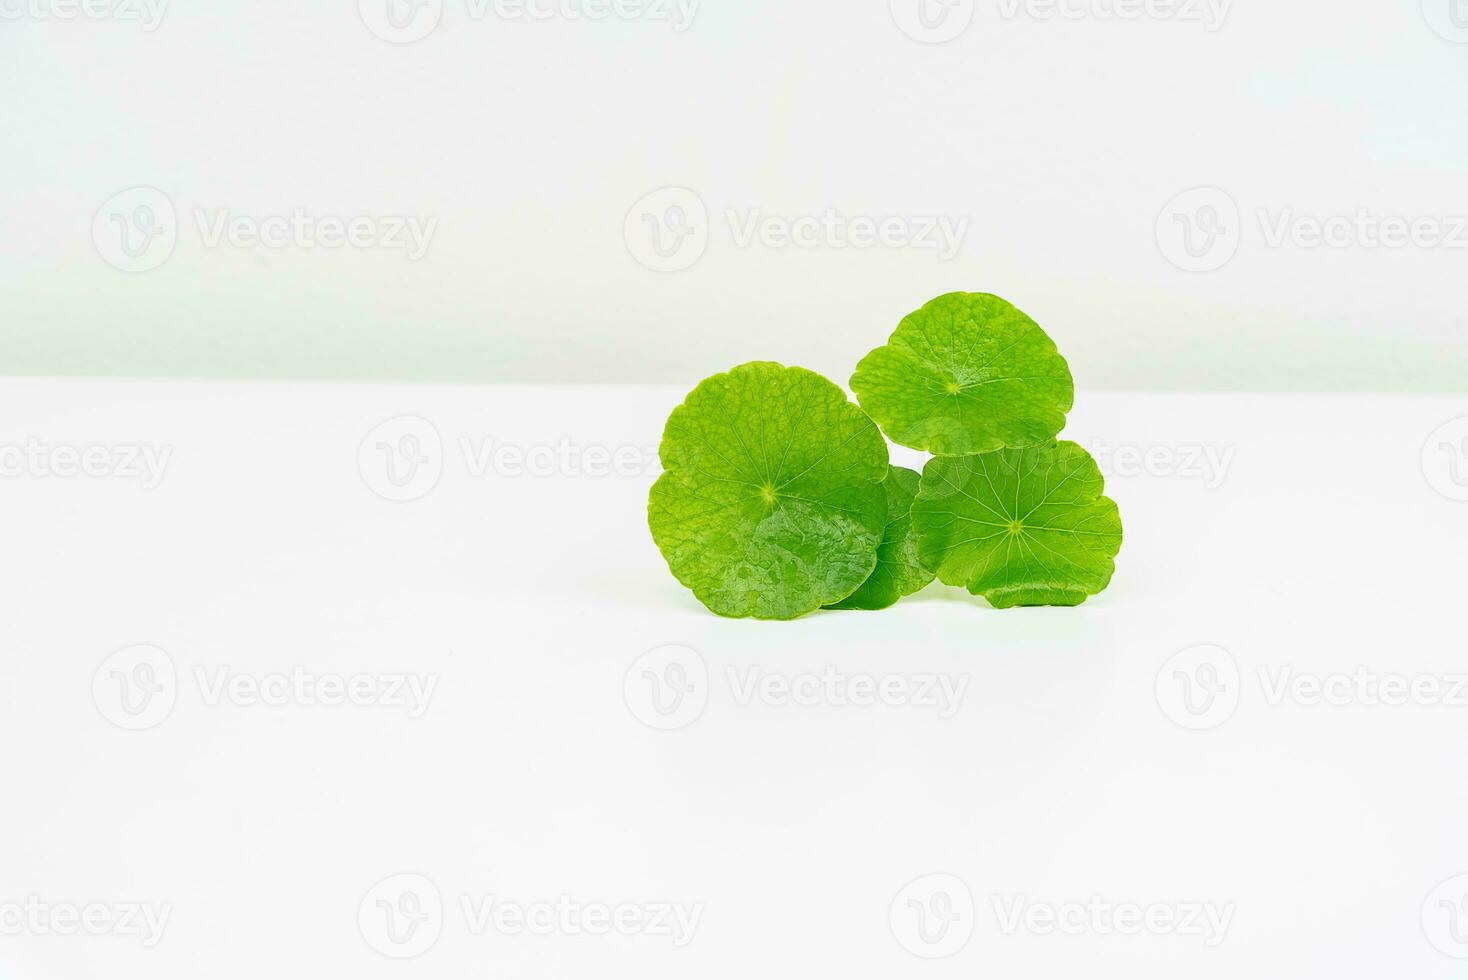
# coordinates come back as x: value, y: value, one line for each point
x: 777, y: 498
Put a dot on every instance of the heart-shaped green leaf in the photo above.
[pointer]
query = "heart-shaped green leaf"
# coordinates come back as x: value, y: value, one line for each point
x: 968, y: 373
x: 1021, y: 527
x: 899, y: 571
x: 771, y: 504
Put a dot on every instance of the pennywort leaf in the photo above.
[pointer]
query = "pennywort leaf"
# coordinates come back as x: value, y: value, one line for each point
x: 899, y: 571
x: 1021, y: 527
x: 967, y: 373
x: 771, y: 504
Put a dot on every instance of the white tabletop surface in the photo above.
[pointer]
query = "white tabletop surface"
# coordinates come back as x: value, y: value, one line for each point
x: 1151, y: 785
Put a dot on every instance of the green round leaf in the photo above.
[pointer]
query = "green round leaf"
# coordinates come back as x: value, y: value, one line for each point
x: 771, y: 504
x: 899, y: 571
x: 968, y: 373
x: 1021, y: 527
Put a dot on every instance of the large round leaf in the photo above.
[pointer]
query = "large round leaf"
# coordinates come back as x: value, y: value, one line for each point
x: 899, y: 571
x: 968, y: 373
x: 771, y: 504
x: 1021, y: 527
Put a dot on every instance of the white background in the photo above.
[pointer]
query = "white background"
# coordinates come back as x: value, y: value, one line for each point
x: 1062, y: 141
x: 1108, y: 173
x: 1072, y: 766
